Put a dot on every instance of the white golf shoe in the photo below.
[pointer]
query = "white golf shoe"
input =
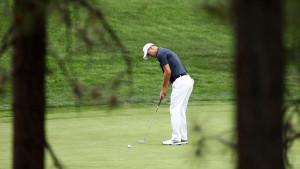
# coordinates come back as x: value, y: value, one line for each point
x: 184, y: 141
x: 171, y: 142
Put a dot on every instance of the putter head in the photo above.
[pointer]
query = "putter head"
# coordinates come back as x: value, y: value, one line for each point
x: 142, y: 141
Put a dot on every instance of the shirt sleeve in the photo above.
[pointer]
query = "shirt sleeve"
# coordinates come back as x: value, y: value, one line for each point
x: 162, y: 58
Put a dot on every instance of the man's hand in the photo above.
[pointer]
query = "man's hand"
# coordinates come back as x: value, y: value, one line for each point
x: 166, y: 83
x: 163, y: 93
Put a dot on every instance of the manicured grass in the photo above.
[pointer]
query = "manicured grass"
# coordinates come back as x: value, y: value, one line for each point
x: 203, y: 42
x: 89, y: 137
x: 96, y: 137
x: 200, y: 40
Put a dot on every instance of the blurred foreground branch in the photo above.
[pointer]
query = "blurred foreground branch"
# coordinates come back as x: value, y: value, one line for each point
x: 98, y: 14
x: 6, y: 40
x: 52, y: 154
x: 217, y: 137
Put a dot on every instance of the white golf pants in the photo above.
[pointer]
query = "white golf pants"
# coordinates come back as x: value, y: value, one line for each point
x: 181, y: 90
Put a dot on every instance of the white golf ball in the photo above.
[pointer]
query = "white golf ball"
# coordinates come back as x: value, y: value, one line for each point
x: 129, y: 146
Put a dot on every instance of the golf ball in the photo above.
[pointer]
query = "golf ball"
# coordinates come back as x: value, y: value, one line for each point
x: 129, y: 146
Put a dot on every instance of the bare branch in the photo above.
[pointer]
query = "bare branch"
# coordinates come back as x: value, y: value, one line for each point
x: 5, y: 40
x: 288, y: 129
x: 226, y: 142
x: 61, y: 65
x: 55, y: 160
x: 291, y: 139
x: 98, y: 14
x: 216, y: 137
x: 286, y: 145
x: 4, y: 47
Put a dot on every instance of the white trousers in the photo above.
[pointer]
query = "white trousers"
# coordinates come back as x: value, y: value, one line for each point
x: 181, y: 90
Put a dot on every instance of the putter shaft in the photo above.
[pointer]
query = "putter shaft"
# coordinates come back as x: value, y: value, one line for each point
x: 152, y: 119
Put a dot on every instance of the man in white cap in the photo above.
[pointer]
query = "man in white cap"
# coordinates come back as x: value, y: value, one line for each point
x: 182, y: 86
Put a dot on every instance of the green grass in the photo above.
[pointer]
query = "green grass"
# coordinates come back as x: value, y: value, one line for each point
x: 93, y: 138
x: 202, y: 42
x: 87, y: 137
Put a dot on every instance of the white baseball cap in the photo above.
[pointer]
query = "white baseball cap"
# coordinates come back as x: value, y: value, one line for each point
x: 145, y: 49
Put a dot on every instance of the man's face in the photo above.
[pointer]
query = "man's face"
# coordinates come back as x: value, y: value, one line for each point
x: 152, y: 52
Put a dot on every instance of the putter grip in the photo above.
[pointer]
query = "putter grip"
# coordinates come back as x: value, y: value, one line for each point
x: 159, y: 101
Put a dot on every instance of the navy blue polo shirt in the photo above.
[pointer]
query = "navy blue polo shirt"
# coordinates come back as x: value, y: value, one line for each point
x: 165, y: 56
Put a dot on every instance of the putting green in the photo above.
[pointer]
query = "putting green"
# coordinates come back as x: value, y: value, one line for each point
x: 92, y: 138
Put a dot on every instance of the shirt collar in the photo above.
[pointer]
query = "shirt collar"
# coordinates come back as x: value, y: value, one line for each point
x: 157, y: 51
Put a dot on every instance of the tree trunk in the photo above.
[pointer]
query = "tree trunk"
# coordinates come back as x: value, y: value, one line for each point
x: 29, y: 47
x: 259, y: 73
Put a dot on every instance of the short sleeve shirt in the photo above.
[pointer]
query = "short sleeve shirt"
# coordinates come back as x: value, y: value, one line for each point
x: 165, y: 56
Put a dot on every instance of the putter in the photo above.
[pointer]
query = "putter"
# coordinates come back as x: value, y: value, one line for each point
x: 144, y: 141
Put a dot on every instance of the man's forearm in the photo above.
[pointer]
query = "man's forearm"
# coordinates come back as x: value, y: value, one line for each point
x: 166, y: 83
x: 167, y: 75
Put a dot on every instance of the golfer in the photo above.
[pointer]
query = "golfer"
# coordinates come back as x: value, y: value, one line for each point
x: 176, y: 75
